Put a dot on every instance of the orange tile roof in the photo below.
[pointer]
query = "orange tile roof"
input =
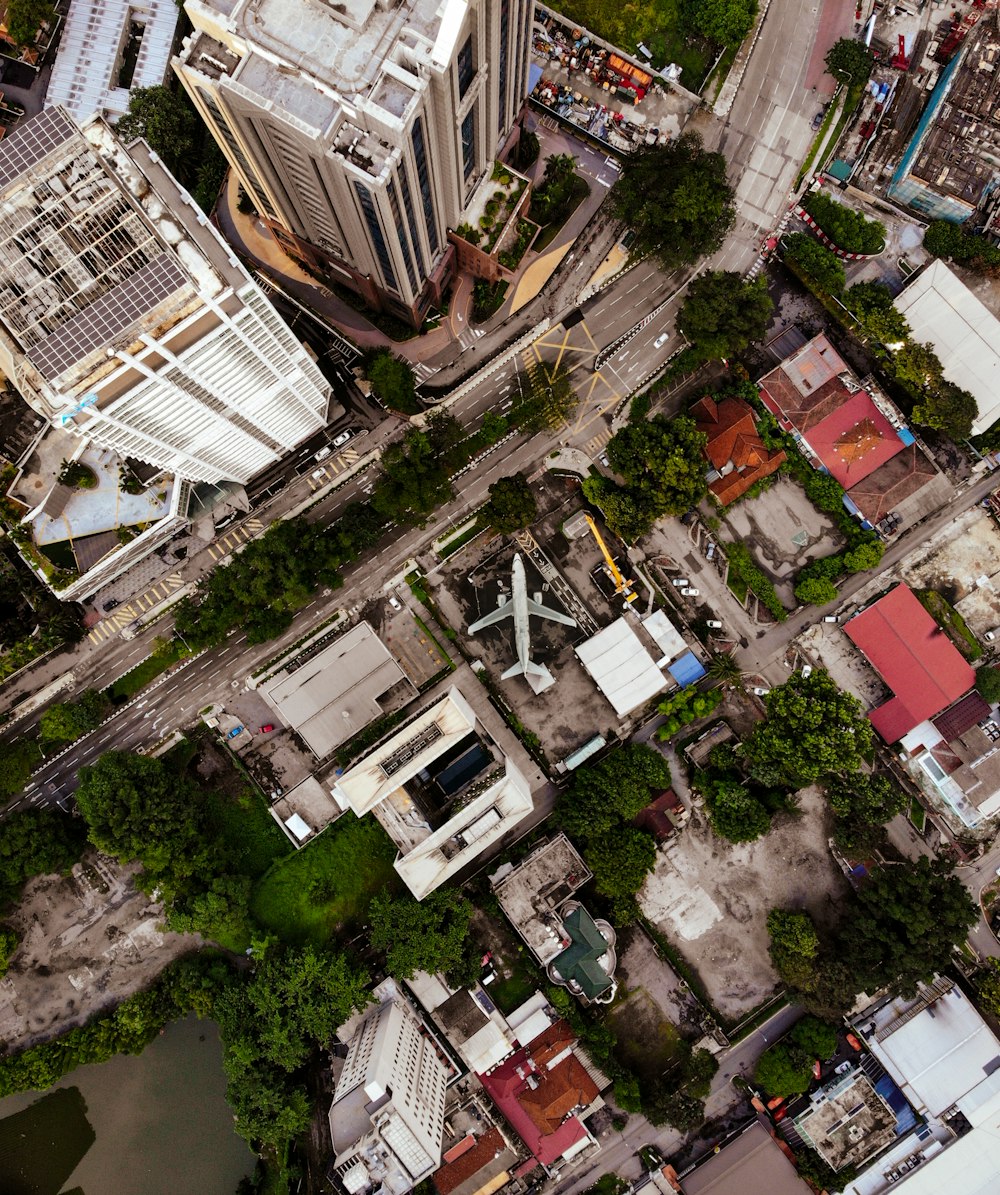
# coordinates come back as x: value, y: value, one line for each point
x: 560, y: 1090
x: 733, y: 439
x: 448, y: 1177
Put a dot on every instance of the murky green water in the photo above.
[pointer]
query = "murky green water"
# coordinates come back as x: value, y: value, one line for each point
x: 157, y: 1124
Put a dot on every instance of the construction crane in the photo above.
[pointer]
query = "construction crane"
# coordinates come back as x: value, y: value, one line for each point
x: 622, y: 586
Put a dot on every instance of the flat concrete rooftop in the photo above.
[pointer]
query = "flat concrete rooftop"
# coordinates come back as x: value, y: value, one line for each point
x: 531, y: 893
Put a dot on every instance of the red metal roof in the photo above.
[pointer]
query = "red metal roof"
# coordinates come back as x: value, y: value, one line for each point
x: 914, y: 657
x: 854, y: 440
x: 962, y: 716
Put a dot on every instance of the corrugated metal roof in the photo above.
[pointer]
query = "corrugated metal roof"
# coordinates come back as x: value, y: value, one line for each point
x: 962, y: 716
x: 621, y: 667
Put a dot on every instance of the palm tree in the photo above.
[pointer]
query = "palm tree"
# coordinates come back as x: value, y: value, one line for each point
x: 724, y: 669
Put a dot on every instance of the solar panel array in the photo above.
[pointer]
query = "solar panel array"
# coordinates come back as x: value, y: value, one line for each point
x: 32, y: 141
x: 105, y: 319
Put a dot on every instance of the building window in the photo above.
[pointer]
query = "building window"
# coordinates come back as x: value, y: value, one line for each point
x: 401, y: 232
x: 404, y: 183
x: 375, y: 231
x: 502, y: 65
x: 469, y: 142
x: 465, y: 68
x: 423, y: 177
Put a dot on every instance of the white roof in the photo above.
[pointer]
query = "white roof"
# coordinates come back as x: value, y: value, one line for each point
x: 485, y: 1048
x: 965, y: 335
x: 668, y: 639
x: 940, y: 1054
x: 85, y: 74
x: 299, y: 827
x: 621, y: 667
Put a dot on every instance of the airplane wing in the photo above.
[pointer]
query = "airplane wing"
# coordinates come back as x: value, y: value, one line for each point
x: 541, y: 611
x: 498, y: 615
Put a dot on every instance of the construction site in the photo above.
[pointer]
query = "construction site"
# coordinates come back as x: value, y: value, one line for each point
x: 568, y: 632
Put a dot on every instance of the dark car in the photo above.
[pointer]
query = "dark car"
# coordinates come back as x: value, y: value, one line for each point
x: 817, y: 120
x: 110, y: 605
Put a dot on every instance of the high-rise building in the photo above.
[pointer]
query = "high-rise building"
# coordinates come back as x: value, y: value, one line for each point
x: 387, y: 1115
x: 127, y: 320
x: 361, y: 129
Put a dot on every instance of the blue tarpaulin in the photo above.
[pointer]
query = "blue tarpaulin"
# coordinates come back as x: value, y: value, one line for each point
x: 906, y: 436
x: 686, y: 670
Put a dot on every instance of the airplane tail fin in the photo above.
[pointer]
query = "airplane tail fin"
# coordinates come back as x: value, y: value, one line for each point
x: 532, y: 669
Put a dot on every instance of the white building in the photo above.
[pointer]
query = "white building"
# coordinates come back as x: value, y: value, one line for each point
x: 443, y: 790
x: 361, y: 131
x: 105, y: 50
x: 125, y: 319
x: 387, y: 1115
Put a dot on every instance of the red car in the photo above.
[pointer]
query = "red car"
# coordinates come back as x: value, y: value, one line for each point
x: 265, y: 729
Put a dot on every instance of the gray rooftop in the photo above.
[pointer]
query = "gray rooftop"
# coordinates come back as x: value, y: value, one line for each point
x: 531, y: 893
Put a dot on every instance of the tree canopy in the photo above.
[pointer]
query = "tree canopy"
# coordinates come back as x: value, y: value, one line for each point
x: 988, y: 682
x: 427, y: 935
x: 25, y: 18
x: 722, y: 314
x: 66, y: 721
x: 850, y: 61
x: 846, y: 228
x: 870, y: 800
x: 612, y: 791
x: 676, y: 198
x: 620, y: 861
x: 512, y: 505
x: 734, y: 812
x: 794, y: 945
x: 17, y: 761
x: 872, y: 305
x: 167, y: 121
x: 812, y: 729
x: 393, y: 382
x: 36, y: 842
x: 725, y: 22
x: 822, y: 268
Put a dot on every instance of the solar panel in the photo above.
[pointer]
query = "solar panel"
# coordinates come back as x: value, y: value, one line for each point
x: 32, y: 141
x: 107, y: 317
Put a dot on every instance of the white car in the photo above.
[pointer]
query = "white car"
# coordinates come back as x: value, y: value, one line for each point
x: 807, y: 670
x: 691, y: 592
x: 759, y: 692
x: 829, y: 618
x: 395, y: 603
x: 323, y: 453
x: 319, y: 475
x: 713, y: 623
x: 661, y: 340
x: 680, y: 582
x: 341, y: 439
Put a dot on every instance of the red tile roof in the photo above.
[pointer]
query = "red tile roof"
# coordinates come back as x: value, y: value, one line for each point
x: 733, y: 440
x: 913, y: 656
x: 654, y: 817
x: 854, y: 440
x: 448, y: 1177
x: 962, y: 716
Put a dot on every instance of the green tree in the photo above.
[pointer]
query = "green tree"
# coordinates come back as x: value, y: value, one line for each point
x: 605, y: 794
x: 36, y: 842
x: 794, y: 946
x: 414, y: 481
x: 427, y: 935
x: 627, y: 514
x: 17, y: 761
x: 817, y: 1039
x: 847, y: 229
x: 677, y: 199
x: 511, y: 506
x: 816, y: 591
x: 620, y: 860
x: 850, y: 61
x: 722, y: 314
x: 871, y: 800
x: 393, y: 382
x: 822, y: 268
x: 25, y: 18
x: 988, y: 987
x: 783, y: 1070
x: 820, y: 1175
x: 988, y: 683
x: 948, y: 409
x: 677, y: 1108
x: 868, y: 554
x: 945, y: 239
x: 872, y: 305
x: 65, y: 722
x: 725, y: 22
x: 812, y: 729
x: 166, y: 120
x: 904, y: 924
x: 734, y: 812
x: 916, y: 366
x: 9, y: 943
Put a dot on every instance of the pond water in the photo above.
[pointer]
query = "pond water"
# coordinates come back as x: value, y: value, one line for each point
x: 156, y: 1124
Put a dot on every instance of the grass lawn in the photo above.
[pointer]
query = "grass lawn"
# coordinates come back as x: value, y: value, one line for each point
x: 327, y: 885
x: 917, y: 814
x: 947, y: 617
x: 510, y: 993
x: 145, y: 673
x: 248, y: 832
x: 548, y: 234
x: 646, y: 1043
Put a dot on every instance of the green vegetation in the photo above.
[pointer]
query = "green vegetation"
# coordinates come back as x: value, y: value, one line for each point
x: 17, y: 761
x: 523, y: 236
x: 988, y: 682
x: 794, y: 945
x: 426, y: 935
x: 848, y: 229
x: 945, y: 239
x: 722, y: 315
x: 66, y: 721
x: 663, y: 467
x: 545, y: 400
x: 393, y: 382
x: 734, y: 812
x: 166, y: 653
x: 315, y: 894
x: 25, y: 18
x: 850, y: 61
x: 77, y: 476
x: 677, y: 199
x: 823, y: 268
x: 9, y: 943
x: 36, y: 842
x: 487, y: 299
x: 950, y: 621
x: 511, y: 507
x: 686, y: 706
x: 988, y: 987
x: 812, y: 729
x: 559, y: 194
x: 741, y: 563
x: 786, y: 1068
x: 917, y: 815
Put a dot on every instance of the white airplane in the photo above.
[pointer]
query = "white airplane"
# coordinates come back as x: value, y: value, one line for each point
x: 520, y: 607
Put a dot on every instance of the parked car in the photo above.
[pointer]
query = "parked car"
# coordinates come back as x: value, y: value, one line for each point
x: 110, y: 605
x: 661, y: 340
x: 829, y: 618
x: 689, y: 592
x: 319, y: 475
x: 689, y: 517
x: 710, y: 550
x: 759, y: 692
x: 806, y: 671
x: 342, y: 438
x: 265, y: 729
x: 817, y: 120
x: 323, y: 453
x: 395, y: 603
x: 713, y: 623
x: 679, y: 582
x: 234, y: 732
x: 604, y: 460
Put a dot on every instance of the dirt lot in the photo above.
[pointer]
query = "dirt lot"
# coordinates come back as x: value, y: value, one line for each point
x: 87, y: 943
x: 784, y: 531
x: 711, y: 898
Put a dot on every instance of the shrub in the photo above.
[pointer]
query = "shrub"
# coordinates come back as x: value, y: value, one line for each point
x: 848, y: 229
x: 741, y: 563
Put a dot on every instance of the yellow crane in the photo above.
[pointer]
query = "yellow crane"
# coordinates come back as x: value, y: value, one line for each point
x: 622, y: 586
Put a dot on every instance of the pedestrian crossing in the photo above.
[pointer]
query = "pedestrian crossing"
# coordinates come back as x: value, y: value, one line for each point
x: 598, y: 443
x: 135, y: 607
x: 232, y: 539
x: 469, y: 336
x: 423, y: 371
x: 326, y: 473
